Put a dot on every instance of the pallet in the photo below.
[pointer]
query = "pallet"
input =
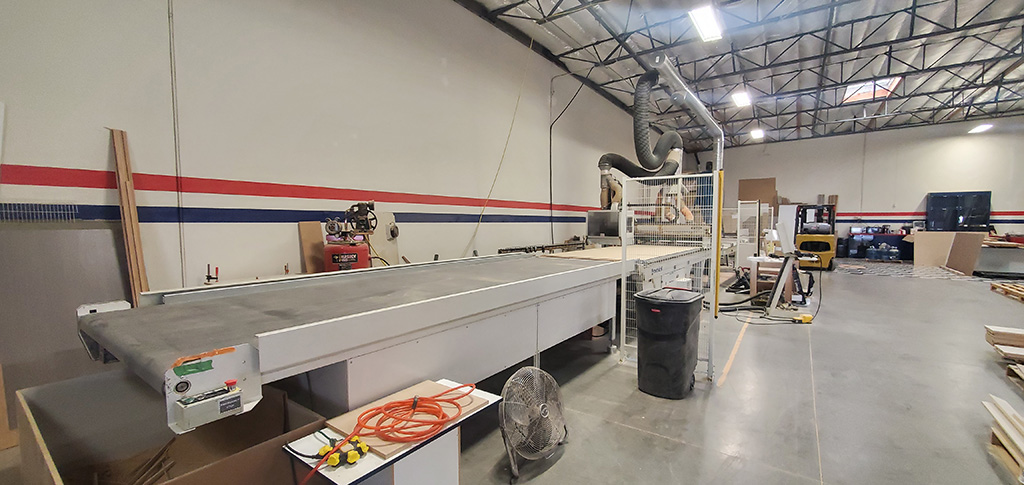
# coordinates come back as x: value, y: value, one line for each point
x: 1010, y: 290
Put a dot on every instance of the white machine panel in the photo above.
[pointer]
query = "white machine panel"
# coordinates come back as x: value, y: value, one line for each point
x: 466, y: 353
x: 565, y: 316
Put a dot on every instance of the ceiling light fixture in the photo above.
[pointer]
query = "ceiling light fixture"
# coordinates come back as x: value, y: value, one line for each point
x: 757, y: 133
x: 741, y: 99
x: 980, y: 128
x: 706, y: 21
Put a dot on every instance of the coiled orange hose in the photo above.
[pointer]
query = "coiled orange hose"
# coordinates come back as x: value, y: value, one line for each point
x: 404, y: 421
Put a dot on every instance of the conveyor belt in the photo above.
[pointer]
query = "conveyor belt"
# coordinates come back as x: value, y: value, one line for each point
x: 150, y: 339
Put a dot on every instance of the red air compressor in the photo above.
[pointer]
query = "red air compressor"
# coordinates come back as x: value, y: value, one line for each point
x: 348, y: 246
x: 346, y: 255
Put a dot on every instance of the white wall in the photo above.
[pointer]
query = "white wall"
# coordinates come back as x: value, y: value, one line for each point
x: 409, y: 96
x: 885, y: 176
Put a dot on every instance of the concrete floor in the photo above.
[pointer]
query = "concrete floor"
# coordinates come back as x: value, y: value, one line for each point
x: 885, y: 387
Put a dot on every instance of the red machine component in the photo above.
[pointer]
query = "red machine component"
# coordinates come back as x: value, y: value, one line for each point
x: 346, y: 255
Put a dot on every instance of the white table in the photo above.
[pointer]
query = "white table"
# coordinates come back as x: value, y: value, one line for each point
x: 433, y: 461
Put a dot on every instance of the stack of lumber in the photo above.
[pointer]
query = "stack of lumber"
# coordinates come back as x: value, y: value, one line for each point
x: 993, y: 243
x: 1008, y: 342
x: 1013, y: 337
x: 1015, y: 372
x: 138, y: 282
x: 1007, y: 440
x: 1010, y: 290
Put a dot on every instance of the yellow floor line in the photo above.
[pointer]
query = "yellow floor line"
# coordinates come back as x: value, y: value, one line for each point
x: 814, y: 406
x: 735, y: 347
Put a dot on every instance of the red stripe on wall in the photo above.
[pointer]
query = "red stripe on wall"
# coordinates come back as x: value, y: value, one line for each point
x: 57, y: 177
x: 101, y: 179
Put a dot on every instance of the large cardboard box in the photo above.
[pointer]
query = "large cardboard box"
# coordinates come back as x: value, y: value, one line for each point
x: 759, y: 189
x: 105, y: 428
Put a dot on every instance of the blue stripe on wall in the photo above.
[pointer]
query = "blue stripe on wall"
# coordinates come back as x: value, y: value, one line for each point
x: 164, y: 214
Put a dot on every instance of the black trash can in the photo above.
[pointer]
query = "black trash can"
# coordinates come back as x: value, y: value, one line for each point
x: 668, y: 325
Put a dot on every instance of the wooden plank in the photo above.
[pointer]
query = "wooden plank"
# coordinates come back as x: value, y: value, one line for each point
x: 1013, y: 337
x: 138, y: 281
x: 1013, y: 437
x: 1012, y: 353
x: 999, y: 450
x: 964, y: 252
x: 1015, y: 419
x: 311, y: 245
x: 8, y: 436
x: 129, y: 175
x: 385, y: 449
x: 1015, y: 373
x: 37, y: 466
x: 1002, y: 244
x: 932, y: 248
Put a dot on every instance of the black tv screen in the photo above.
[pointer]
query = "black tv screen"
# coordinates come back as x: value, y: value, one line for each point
x: 959, y: 211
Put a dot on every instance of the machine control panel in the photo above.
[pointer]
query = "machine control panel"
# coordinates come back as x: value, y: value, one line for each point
x: 203, y: 388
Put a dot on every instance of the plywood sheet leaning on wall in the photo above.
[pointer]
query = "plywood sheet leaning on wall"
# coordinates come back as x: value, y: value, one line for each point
x: 311, y: 245
x: 964, y: 252
x: 932, y: 248
x: 129, y: 216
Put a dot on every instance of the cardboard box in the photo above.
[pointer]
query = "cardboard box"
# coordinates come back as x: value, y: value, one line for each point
x: 107, y: 428
x: 759, y: 189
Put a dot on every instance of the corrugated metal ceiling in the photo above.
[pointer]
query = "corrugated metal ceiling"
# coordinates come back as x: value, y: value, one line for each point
x: 958, y: 59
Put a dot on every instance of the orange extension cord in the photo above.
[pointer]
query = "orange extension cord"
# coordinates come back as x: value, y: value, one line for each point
x: 404, y: 421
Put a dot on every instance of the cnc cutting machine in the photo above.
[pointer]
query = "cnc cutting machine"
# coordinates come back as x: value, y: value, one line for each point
x: 366, y: 332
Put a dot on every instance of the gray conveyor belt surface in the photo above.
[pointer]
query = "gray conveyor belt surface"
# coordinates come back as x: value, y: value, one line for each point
x: 150, y: 339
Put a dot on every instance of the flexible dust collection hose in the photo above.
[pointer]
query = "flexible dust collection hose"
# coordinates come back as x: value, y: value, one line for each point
x: 652, y: 163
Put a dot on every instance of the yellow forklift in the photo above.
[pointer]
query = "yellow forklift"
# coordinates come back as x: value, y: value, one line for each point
x: 816, y: 233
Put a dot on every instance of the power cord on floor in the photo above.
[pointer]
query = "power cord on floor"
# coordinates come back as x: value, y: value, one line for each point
x: 403, y: 421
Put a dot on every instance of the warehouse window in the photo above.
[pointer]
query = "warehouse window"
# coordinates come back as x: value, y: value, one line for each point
x: 875, y: 89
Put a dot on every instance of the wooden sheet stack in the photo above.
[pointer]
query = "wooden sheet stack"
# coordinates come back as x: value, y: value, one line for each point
x: 1008, y: 342
x: 1007, y: 440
